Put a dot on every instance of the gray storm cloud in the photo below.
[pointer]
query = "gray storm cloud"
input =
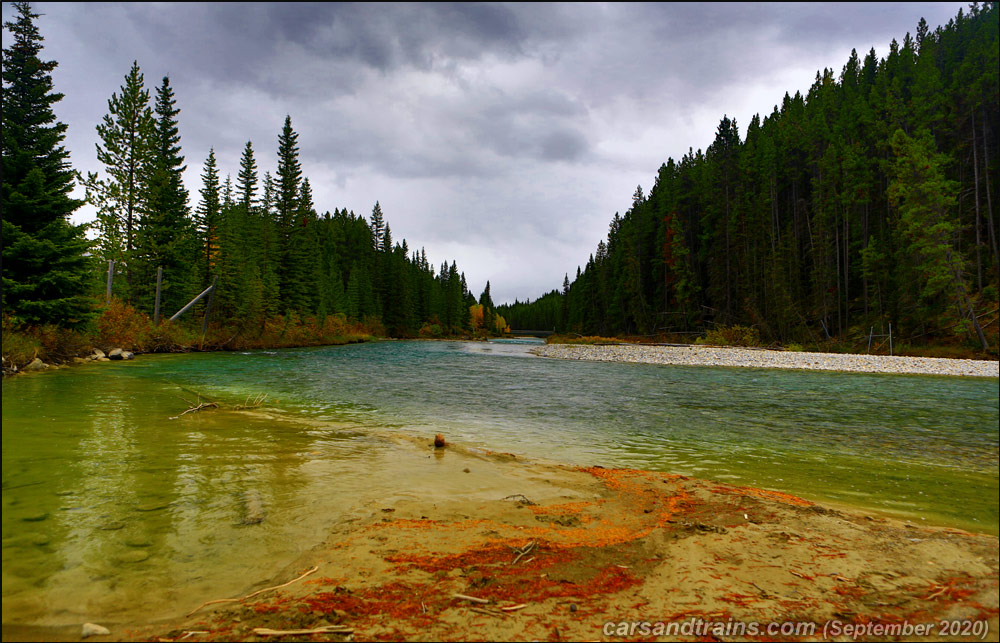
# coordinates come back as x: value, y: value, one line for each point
x: 503, y: 136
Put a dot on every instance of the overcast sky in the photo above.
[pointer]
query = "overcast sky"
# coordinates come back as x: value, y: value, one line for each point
x: 501, y: 136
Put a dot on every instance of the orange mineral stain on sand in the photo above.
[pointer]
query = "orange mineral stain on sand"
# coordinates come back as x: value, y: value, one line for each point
x: 620, y: 545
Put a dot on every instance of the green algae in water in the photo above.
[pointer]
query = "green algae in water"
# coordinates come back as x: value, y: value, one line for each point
x: 109, y: 504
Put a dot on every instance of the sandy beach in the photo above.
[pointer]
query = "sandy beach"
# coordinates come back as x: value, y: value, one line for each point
x: 541, y: 551
x: 753, y: 358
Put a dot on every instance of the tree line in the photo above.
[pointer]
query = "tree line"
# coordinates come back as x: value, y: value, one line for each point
x: 870, y: 200
x: 258, y: 239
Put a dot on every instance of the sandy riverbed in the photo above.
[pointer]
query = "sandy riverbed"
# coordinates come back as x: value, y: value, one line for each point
x: 751, y: 358
x: 601, y: 546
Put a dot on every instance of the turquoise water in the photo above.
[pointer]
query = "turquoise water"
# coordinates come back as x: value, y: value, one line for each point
x: 106, y: 499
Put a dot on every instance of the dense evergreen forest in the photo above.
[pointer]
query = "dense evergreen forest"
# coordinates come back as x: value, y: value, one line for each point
x: 871, y: 200
x: 259, y: 239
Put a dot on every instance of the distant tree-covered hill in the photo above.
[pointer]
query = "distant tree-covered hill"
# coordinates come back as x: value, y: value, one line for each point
x: 871, y: 200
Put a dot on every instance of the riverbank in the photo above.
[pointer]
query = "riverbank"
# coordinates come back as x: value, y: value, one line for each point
x: 550, y: 552
x: 120, y: 327
x: 754, y: 358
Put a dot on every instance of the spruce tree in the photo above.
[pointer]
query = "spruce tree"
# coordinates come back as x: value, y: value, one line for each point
x: 44, y: 264
x: 165, y: 238
x: 246, y: 180
x: 378, y: 228
x: 287, y: 192
x: 268, y: 253
x: 208, y: 216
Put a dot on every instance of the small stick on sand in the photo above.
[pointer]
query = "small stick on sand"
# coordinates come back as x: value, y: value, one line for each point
x: 327, y: 629
x: 268, y: 589
x: 523, y: 551
x: 514, y: 608
x: 487, y: 612
x: 259, y: 591
x: 218, y: 600
x: 482, y: 601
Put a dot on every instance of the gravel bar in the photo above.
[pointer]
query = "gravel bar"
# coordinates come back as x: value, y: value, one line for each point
x: 752, y: 358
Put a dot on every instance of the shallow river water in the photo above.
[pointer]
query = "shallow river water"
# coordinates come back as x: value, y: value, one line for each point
x: 112, y: 509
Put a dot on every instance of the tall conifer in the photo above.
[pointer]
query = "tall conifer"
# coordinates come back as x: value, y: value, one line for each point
x: 165, y: 238
x: 126, y: 134
x: 44, y: 267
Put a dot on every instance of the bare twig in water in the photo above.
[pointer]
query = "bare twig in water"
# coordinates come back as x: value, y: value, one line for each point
x: 251, y: 595
x: 200, y: 407
x: 195, y: 406
x: 254, y: 403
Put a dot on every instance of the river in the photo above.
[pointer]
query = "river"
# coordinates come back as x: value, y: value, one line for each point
x: 111, y: 509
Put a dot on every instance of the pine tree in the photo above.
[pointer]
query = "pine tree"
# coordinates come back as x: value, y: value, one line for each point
x: 44, y: 267
x: 925, y: 200
x: 126, y: 134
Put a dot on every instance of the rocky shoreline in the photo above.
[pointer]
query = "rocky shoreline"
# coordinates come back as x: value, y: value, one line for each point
x: 35, y: 365
x: 753, y: 358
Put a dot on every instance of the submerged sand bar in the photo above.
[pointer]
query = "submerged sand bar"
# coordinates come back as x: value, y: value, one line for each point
x: 754, y: 358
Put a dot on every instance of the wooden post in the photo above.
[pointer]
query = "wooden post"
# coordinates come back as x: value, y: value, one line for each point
x: 192, y: 302
x: 159, y: 284
x: 870, y: 333
x: 111, y: 278
x: 890, y: 338
x: 208, y: 310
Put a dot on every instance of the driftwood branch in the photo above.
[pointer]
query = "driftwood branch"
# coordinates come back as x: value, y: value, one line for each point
x: 523, y: 552
x: 252, y: 594
x: 252, y: 402
x: 294, y: 580
x: 195, y: 409
x: 473, y: 599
